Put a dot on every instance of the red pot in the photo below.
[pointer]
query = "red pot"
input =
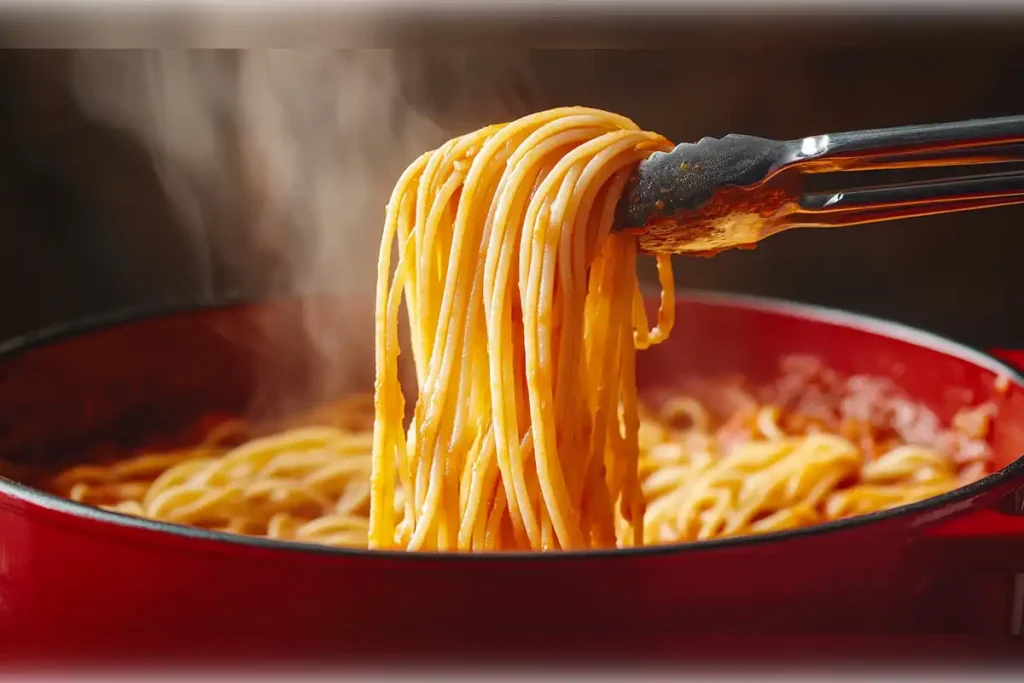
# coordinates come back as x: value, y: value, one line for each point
x: 75, y: 580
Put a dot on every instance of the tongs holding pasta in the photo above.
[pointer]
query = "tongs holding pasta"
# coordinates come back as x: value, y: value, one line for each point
x: 716, y: 194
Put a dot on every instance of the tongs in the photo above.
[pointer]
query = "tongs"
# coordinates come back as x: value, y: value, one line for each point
x: 716, y: 194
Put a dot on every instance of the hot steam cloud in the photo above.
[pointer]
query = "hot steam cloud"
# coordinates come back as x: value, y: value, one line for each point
x: 280, y: 164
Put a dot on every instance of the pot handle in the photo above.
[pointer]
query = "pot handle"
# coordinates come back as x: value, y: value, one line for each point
x: 1007, y: 519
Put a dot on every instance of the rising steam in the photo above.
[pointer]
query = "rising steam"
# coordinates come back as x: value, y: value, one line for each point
x: 280, y: 164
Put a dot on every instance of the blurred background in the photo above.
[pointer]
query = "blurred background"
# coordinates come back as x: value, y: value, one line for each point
x: 141, y: 177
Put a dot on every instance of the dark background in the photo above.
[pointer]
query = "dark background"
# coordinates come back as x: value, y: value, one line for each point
x: 85, y: 226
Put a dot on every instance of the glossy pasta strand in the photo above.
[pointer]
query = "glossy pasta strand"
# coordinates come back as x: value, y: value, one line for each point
x: 527, y: 225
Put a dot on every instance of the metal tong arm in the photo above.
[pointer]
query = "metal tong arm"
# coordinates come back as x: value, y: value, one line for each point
x: 670, y: 187
x: 909, y: 146
x: 965, y: 144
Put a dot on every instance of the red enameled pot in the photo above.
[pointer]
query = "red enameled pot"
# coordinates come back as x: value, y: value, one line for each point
x: 78, y: 581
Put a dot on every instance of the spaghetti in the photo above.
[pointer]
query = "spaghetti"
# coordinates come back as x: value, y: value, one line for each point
x: 717, y: 459
x: 527, y: 433
x: 522, y: 306
x: 771, y: 466
x: 306, y: 481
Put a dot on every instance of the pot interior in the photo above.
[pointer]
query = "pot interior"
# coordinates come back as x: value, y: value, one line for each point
x: 113, y: 386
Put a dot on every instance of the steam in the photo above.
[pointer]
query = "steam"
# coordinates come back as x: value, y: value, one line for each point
x: 280, y: 164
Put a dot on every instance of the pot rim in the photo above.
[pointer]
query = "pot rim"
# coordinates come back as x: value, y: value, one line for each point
x: 821, y: 314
